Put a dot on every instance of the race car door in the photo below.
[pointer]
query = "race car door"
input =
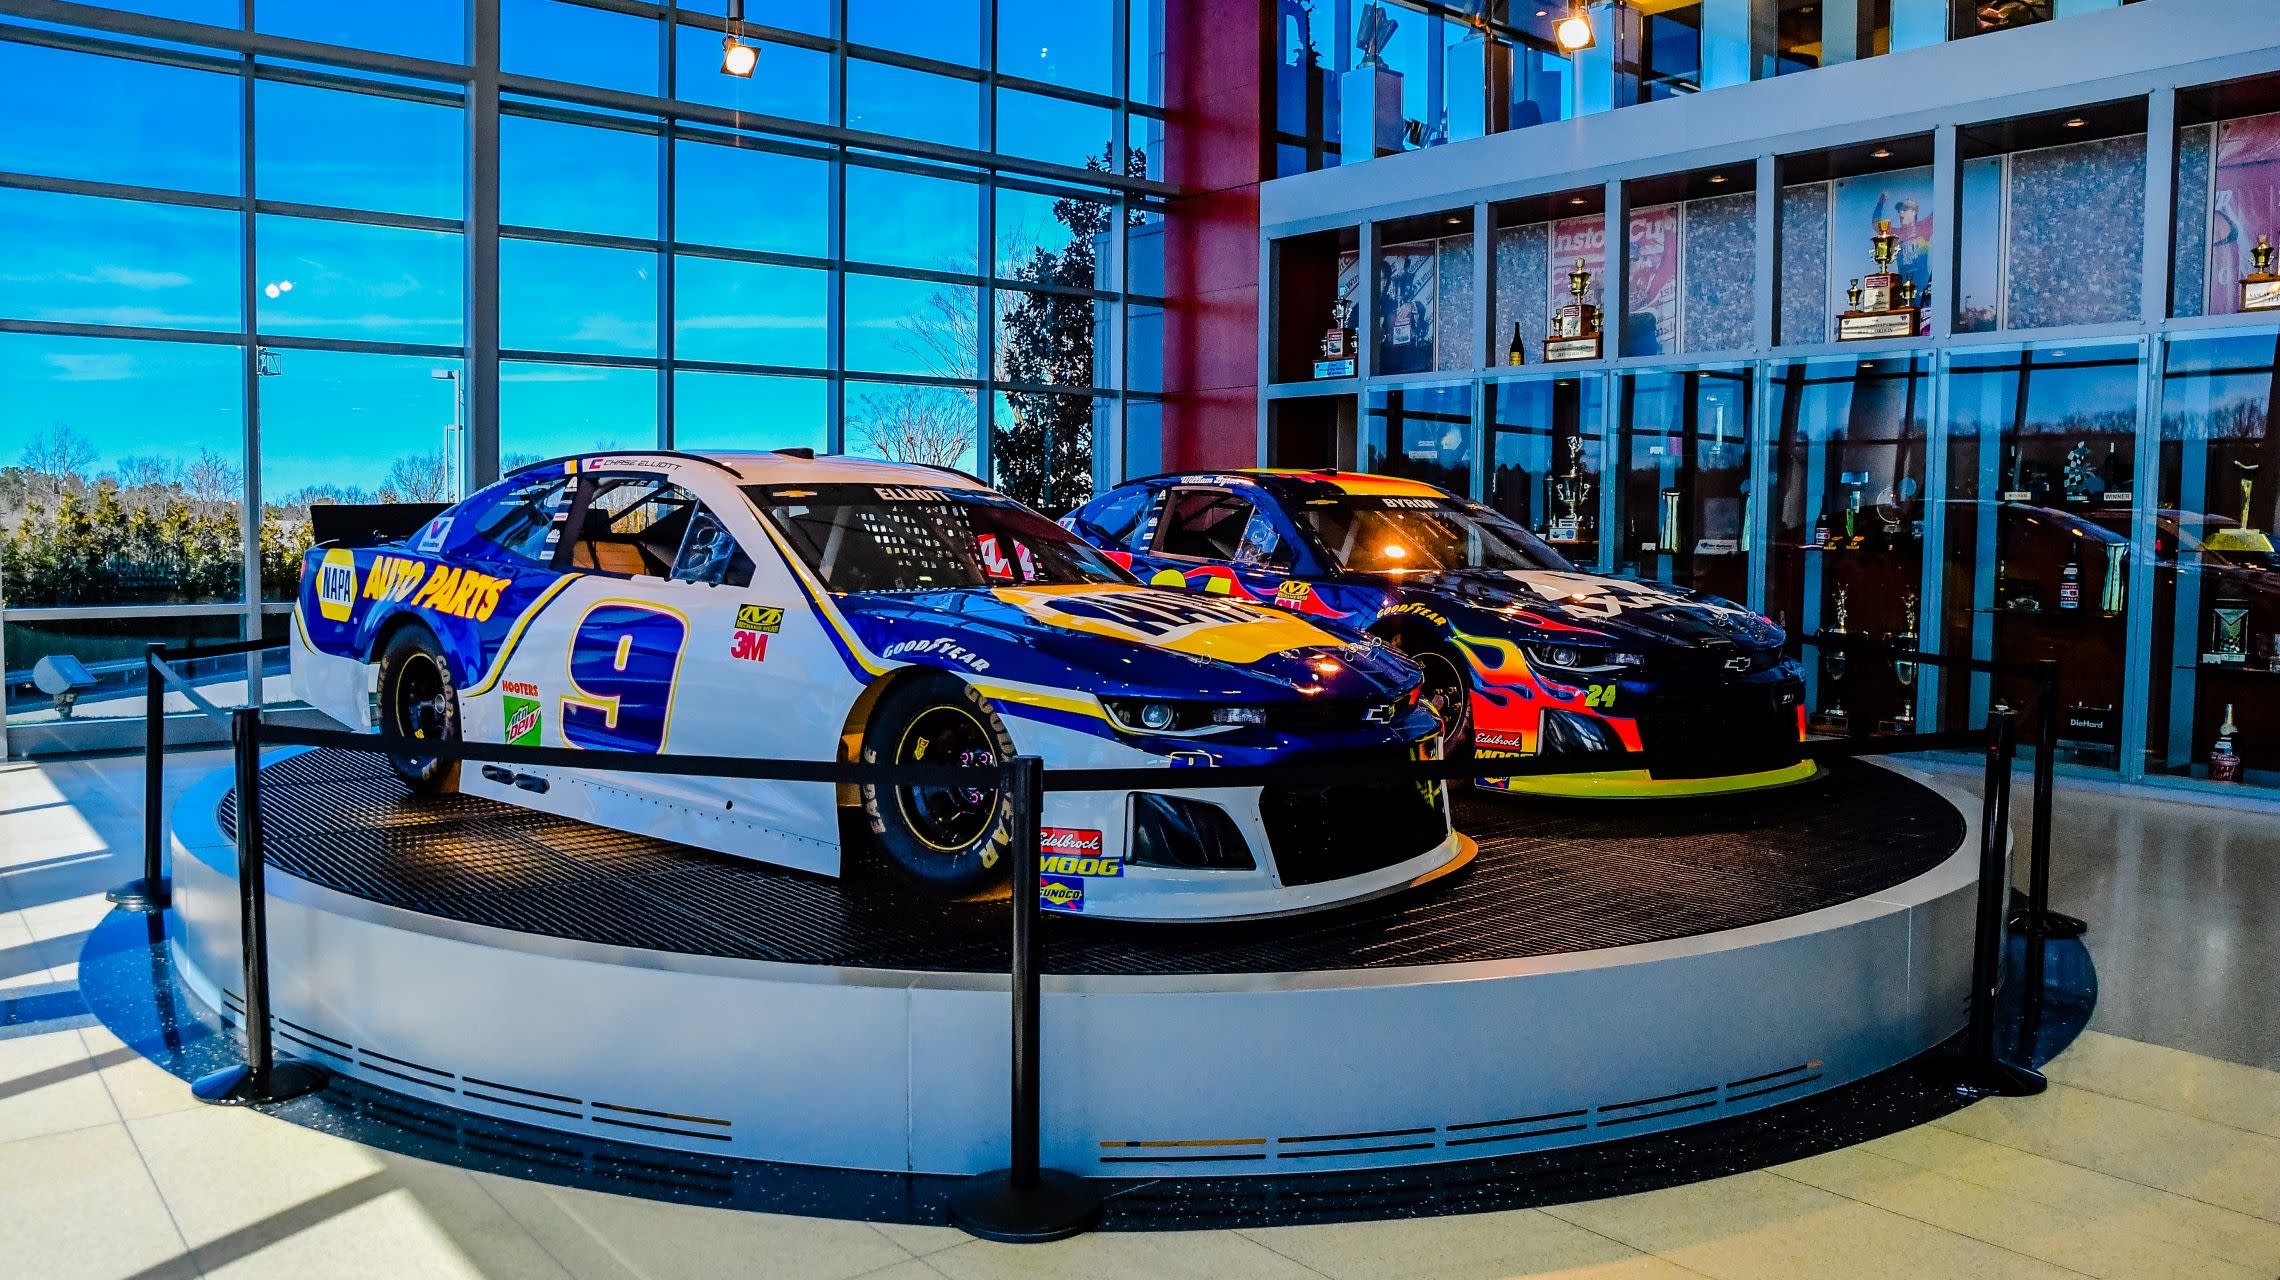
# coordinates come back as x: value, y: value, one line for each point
x: 1219, y: 542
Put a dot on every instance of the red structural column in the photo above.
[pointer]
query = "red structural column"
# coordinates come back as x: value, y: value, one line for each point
x: 1215, y: 89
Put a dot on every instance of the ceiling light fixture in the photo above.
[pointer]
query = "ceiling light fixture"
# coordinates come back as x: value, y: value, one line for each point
x: 1717, y: 178
x: 1575, y: 199
x: 1881, y: 153
x: 736, y: 57
x: 1574, y: 32
x: 2075, y: 122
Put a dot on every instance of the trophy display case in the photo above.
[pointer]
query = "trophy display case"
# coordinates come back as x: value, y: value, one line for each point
x: 2041, y: 487
x: 2214, y: 697
x: 1682, y: 478
x: 1846, y: 529
x: 1424, y: 294
x: 1424, y: 432
x: 1545, y: 449
x: 1317, y: 300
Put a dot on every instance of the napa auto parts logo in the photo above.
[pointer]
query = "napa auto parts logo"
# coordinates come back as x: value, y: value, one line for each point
x: 1068, y: 851
x: 336, y: 585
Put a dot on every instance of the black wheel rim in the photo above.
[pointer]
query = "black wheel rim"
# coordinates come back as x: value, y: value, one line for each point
x: 948, y: 819
x: 1450, y: 698
x: 422, y: 705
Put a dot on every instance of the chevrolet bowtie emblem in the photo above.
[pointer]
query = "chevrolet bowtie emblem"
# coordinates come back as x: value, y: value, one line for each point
x: 1737, y: 663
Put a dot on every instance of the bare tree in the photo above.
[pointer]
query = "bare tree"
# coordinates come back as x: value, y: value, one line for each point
x: 418, y: 477
x: 146, y: 471
x: 58, y: 455
x: 933, y: 426
x: 212, y: 477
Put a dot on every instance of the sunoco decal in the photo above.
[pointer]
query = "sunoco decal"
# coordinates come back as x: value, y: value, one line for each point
x: 1061, y: 893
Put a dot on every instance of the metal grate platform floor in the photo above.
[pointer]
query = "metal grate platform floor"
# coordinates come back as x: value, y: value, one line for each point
x: 1552, y: 876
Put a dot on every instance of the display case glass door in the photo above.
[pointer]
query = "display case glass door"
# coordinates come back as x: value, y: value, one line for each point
x: 2041, y: 463
x: 1422, y: 432
x: 1847, y: 526
x: 2215, y: 640
x: 1682, y: 485
x: 1545, y: 449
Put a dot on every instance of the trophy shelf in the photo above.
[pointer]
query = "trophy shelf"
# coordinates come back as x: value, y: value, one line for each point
x: 1870, y: 326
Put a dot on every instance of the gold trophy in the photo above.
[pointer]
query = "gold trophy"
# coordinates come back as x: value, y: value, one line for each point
x: 2245, y: 536
x: 1571, y: 496
x: 1339, y: 342
x: 1881, y: 304
x: 1575, y: 326
x: 1836, y: 663
x: 1904, y: 666
x: 2260, y: 289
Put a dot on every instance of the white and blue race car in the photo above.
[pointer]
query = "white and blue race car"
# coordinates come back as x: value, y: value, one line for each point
x: 785, y: 606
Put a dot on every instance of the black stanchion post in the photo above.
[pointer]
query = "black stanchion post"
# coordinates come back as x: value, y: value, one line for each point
x: 151, y: 892
x: 1982, y: 1069
x: 2037, y: 920
x: 1024, y: 1203
x: 263, y: 1078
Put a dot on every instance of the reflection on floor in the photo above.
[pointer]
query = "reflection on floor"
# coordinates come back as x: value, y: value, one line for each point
x: 2152, y: 1155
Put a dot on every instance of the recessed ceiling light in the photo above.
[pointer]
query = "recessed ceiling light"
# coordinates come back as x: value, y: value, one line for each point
x: 1575, y: 199
x: 2075, y: 122
x: 1881, y: 153
x: 1717, y: 178
x: 1454, y: 220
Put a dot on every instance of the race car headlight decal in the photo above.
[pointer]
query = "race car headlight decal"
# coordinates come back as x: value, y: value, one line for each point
x: 1173, y: 831
x: 1572, y: 657
x: 1567, y: 733
x: 1178, y: 719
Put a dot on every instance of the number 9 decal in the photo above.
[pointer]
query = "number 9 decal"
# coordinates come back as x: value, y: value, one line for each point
x: 624, y: 660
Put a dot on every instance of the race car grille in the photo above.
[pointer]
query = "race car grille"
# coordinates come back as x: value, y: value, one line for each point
x: 1722, y: 732
x: 1711, y: 662
x: 1316, y: 714
x: 1330, y: 833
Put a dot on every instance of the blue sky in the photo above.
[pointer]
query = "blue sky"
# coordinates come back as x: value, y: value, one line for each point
x: 340, y: 417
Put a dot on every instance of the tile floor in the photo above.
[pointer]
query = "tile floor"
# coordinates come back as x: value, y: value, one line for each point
x: 2156, y: 1152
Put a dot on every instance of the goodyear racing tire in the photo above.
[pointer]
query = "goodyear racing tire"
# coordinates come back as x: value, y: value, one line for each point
x: 950, y: 841
x: 419, y: 699
x: 1448, y: 693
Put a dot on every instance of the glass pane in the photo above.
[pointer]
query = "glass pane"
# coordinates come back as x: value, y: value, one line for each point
x: 1036, y: 127
x: 912, y: 327
x: 1847, y: 525
x: 349, y: 280
x: 1041, y: 449
x: 931, y: 425
x: 1145, y: 48
x: 788, y: 81
x: 2041, y: 481
x: 553, y: 410
x: 1048, y: 339
x: 746, y: 411
x: 1546, y: 445
x: 1682, y: 486
x: 1143, y: 347
x: 1047, y: 239
x: 117, y: 120
x: 434, y: 29
x: 1064, y: 42
x: 742, y: 198
x: 911, y: 221
x: 2215, y: 660
x: 913, y: 104
x: 949, y: 30
x: 83, y: 260
x: 1424, y: 433
x: 555, y: 40
x: 748, y: 313
x: 569, y: 177
x: 112, y: 651
x: 1670, y: 51
x: 340, y: 426
x: 2049, y: 280
x: 1902, y: 197
x: 567, y: 297
x: 407, y: 157
x: 128, y: 466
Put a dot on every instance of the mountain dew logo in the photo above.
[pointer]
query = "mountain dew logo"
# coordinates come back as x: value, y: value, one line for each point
x: 522, y: 721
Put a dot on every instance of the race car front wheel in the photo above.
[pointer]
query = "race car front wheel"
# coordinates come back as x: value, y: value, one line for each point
x: 1448, y: 694
x: 950, y: 840
x: 419, y: 699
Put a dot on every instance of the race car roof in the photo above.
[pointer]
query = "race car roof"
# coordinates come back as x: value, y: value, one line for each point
x: 781, y: 467
x: 1296, y: 483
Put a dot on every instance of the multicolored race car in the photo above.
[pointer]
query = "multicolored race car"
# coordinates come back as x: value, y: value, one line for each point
x: 786, y: 606
x: 1524, y: 654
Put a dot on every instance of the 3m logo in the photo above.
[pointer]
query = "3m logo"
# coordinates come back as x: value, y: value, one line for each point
x: 336, y: 585
x: 750, y: 646
x: 760, y: 617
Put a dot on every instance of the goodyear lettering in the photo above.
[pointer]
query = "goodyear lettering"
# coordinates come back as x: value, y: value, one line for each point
x: 900, y: 493
x: 393, y: 577
x: 462, y: 593
x: 1060, y: 893
x: 760, y: 617
x: 940, y: 647
x: 336, y: 585
x: 1423, y: 612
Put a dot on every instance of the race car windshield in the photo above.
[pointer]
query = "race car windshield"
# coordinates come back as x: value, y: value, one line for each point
x: 1390, y: 534
x: 867, y: 537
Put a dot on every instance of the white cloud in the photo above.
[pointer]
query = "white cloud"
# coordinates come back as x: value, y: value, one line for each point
x: 130, y: 277
x: 93, y: 366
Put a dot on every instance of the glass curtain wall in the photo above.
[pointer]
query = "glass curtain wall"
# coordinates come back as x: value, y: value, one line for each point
x: 1682, y: 484
x: 240, y: 284
x: 1545, y: 451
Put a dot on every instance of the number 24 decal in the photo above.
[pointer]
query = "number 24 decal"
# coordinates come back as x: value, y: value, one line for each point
x: 624, y: 661
x: 1599, y: 695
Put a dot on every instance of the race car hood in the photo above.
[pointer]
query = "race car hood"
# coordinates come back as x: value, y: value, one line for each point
x: 1588, y: 608
x: 1126, y: 641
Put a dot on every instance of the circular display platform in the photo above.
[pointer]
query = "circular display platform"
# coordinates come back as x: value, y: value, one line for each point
x: 1603, y: 970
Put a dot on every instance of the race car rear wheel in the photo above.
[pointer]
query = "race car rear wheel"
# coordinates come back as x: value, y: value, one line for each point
x: 1448, y: 694
x: 950, y: 840
x: 419, y: 699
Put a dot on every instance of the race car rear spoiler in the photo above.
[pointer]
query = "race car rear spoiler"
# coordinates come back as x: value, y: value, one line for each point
x: 368, y: 524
